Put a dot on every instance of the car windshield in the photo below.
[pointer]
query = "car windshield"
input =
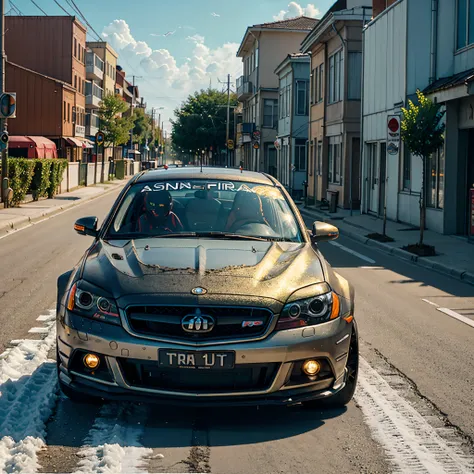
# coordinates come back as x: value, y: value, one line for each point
x: 208, y: 208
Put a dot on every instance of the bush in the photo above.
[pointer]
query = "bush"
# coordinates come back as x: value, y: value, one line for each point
x: 41, y: 178
x: 20, y: 173
x: 56, y: 175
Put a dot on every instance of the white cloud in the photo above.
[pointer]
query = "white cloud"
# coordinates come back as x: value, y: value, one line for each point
x: 295, y: 9
x: 165, y: 82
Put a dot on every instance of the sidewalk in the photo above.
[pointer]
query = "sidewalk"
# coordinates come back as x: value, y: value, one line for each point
x: 455, y: 255
x: 13, y: 218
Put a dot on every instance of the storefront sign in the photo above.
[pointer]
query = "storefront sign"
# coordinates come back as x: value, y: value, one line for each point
x: 80, y: 131
x: 471, y: 212
x: 393, y: 134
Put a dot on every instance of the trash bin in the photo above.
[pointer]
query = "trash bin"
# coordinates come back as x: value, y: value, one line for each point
x: 332, y: 197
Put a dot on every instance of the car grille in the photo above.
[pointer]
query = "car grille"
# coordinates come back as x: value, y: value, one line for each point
x: 165, y: 321
x: 250, y: 377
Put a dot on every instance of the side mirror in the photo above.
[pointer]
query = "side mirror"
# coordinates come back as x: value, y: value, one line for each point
x: 322, y: 232
x: 86, y: 226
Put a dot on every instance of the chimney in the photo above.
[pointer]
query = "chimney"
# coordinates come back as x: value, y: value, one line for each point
x: 378, y: 6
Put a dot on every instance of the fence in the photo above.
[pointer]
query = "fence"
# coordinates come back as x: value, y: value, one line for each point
x: 88, y: 174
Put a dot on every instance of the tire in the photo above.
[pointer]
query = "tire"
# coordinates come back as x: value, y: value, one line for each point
x: 344, y: 396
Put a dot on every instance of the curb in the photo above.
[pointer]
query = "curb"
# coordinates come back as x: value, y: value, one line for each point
x: 12, y: 227
x: 452, y: 272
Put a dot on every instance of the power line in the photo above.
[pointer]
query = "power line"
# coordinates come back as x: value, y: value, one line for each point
x: 16, y: 8
x: 61, y: 7
x: 73, y: 5
x: 38, y: 7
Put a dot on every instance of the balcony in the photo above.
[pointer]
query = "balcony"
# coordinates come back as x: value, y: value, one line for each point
x: 94, y: 67
x: 94, y: 95
x: 244, y: 88
x: 92, y: 124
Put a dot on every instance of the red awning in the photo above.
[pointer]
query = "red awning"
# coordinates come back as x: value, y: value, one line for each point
x: 35, y: 147
x: 75, y: 142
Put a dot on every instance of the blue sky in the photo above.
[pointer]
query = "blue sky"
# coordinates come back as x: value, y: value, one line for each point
x: 200, y: 48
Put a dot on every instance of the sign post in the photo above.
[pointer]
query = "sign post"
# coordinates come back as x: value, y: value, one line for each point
x: 393, y: 134
x: 471, y: 213
x: 99, y: 140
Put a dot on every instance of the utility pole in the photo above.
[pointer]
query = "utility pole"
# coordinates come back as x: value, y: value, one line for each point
x: 3, y: 122
x: 228, y: 120
x: 153, y: 129
x: 133, y: 105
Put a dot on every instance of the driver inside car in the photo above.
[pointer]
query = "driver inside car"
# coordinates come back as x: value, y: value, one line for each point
x: 247, y: 209
x: 159, y: 216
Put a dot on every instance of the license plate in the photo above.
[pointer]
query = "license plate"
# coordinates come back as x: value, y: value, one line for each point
x: 196, y: 359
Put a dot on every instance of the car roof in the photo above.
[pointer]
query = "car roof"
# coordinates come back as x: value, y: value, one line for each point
x: 215, y: 173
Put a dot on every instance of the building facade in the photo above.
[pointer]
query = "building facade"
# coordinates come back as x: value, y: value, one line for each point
x: 433, y: 52
x: 292, y: 134
x: 54, y: 46
x: 335, y: 45
x: 263, y: 48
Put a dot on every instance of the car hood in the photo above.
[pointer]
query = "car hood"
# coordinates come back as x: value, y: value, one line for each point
x: 223, y: 267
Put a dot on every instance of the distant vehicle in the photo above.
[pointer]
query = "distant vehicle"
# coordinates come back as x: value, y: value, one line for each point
x: 205, y: 287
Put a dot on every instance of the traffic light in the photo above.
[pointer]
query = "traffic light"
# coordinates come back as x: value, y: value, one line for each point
x: 7, y: 105
x: 4, y: 138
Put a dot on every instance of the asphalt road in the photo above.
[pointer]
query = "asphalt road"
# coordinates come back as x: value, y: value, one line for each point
x: 419, y: 359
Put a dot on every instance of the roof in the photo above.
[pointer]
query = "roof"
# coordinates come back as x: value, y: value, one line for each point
x: 299, y: 24
x: 296, y: 57
x: 338, y: 12
x: 213, y: 173
x: 450, y: 81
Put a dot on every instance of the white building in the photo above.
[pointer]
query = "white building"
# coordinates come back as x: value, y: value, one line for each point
x: 411, y: 46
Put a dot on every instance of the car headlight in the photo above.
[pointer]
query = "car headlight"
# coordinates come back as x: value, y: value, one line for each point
x: 311, y: 311
x: 87, y: 301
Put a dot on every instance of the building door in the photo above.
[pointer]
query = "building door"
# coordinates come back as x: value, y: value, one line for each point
x: 382, y: 178
x: 355, y: 173
x: 372, y: 178
x: 272, y: 160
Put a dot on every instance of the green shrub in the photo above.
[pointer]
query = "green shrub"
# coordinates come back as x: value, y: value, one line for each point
x: 20, y: 173
x: 56, y: 175
x: 41, y: 178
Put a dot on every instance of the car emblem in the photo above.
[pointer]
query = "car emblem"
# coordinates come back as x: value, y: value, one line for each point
x: 198, y: 323
x: 251, y: 324
x: 199, y: 291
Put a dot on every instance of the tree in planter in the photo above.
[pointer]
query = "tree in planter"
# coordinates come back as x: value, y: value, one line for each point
x: 422, y: 131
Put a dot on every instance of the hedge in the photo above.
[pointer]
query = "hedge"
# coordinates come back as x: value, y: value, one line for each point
x: 41, y: 176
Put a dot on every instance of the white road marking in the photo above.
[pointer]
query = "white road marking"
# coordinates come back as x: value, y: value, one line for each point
x: 372, y: 268
x: 28, y: 385
x: 430, y: 302
x: 353, y: 252
x: 39, y: 331
x: 457, y: 316
x: 46, y: 317
x: 412, y: 444
x: 113, y: 443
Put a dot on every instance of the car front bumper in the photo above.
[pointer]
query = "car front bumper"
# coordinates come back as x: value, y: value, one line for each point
x: 328, y: 342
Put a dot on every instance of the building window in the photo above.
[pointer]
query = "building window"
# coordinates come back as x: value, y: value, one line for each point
x: 435, y: 181
x: 406, y: 169
x: 270, y: 113
x: 319, y: 158
x: 301, y: 98
x: 64, y: 111
x: 287, y: 100
x: 335, y: 77
x: 372, y: 161
x: 354, y: 75
x: 75, y: 47
x: 320, y: 83
x: 75, y: 81
x: 335, y: 160
x: 69, y: 113
x: 314, y: 85
x: 300, y: 155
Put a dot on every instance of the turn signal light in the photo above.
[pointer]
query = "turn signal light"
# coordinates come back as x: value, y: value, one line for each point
x: 311, y: 367
x: 72, y: 297
x: 91, y: 361
x: 335, y: 306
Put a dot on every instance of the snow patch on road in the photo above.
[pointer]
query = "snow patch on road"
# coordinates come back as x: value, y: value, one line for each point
x: 28, y: 391
x: 113, y: 444
x: 412, y: 444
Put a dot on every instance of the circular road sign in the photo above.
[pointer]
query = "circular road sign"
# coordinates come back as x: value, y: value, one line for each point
x: 99, y: 138
x: 393, y: 125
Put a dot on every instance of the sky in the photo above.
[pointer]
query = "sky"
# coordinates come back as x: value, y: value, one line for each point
x: 175, y: 47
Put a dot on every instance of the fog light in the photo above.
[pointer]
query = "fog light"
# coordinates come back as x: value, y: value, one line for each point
x: 91, y: 361
x: 311, y: 367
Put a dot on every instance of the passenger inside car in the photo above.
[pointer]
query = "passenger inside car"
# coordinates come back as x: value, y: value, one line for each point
x: 158, y: 215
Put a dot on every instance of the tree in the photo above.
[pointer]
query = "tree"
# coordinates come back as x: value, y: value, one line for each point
x: 201, y: 121
x: 142, y: 125
x: 116, y: 129
x: 422, y: 131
